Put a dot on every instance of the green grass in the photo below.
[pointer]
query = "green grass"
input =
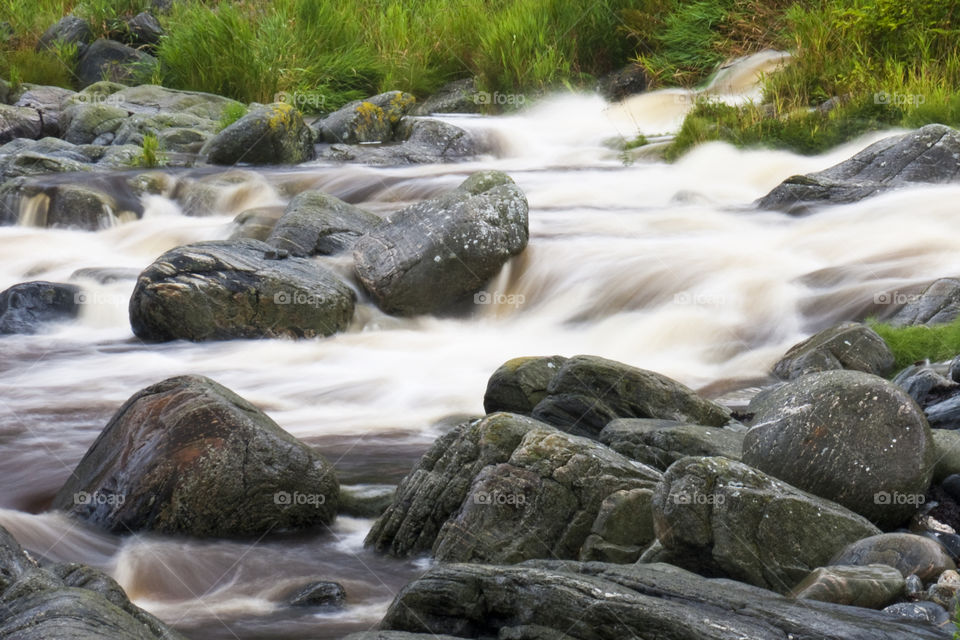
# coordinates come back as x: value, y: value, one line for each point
x: 231, y: 113
x: 913, y: 344
x: 151, y: 156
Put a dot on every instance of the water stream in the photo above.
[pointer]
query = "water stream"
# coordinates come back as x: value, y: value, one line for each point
x: 665, y: 267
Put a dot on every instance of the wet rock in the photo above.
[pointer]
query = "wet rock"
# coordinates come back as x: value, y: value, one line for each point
x: 913, y: 586
x: 938, y: 304
x: 82, y: 123
x: 920, y: 381
x: 366, y: 501
x: 274, y: 134
x: 623, y: 83
x: 872, y: 586
x: 421, y: 141
x: 47, y: 101
x: 316, y: 223
x: 588, y: 392
x: 947, y: 447
x: 927, y: 155
x: 518, y: 385
x: 623, y: 527
x: 217, y: 193
x: 144, y: 29
x: 720, y: 517
x: 599, y: 601
x: 944, y: 414
x: 25, y: 307
x: 850, y: 345
x: 944, y: 592
x: 927, y: 612
x: 908, y: 553
x: 188, y: 456
x: 432, y: 255
x: 256, y: 223
x: 67, y: 601
x: 23, y: 157
x: 180, y: 132
x: 105, y: 275
x: 399, y: 635
x: 370, y: 120
x: 237, y: 289
x: 67, y: 30
x: 847, y: 436
x: 319, y: 594
x: 19, y: 122
x: 99, y: 202
x: 459, y: 96
x: 660, y: 443
x: 507, y: 488
x: 110, y: 60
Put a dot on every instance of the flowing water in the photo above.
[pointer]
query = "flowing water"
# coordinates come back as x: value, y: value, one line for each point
x: 665, y: 267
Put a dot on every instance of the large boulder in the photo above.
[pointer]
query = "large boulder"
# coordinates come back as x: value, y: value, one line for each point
x: 48, y: 102
x: 508, y: 488
x: 25, y: 307
x: 850, y: 345
x: 910, y: 554
x: 154, y: 99
x: 518, y: 385
x: 144, y: 29
x: 720, y: 517
x: 588, y: 392
x: 432, y: 255
x: 19, y: 122
x: 23, y: 157
x: 237, y: 289
x: 67, y: 602
x: 459, y: 96
x: 419, y: 141
x: 316, y: 223
x: 930, y: 154
x: 938, y: 304
x: 86, y: 122
x: 273, y: 134
x: 95, y: 202
x: 68, y: 30
x: 873, y: 586
x: 187, y: 456
x: 555, y: 600
x: 370, y: 120
x: 847, y: 436
x: 660, y: 443
x: 114, y: 61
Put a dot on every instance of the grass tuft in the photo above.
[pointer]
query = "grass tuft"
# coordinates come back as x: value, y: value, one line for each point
x: 914, y: 344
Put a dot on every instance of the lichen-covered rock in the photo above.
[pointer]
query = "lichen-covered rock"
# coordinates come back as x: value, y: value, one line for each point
x: 518, y: 385
x: 660, y: 443
x: 507, y: 488
x: 873, y: 586
x: 432, y: 255
x: 720, y: 517
x: 847, y: 436
x: 588, y: 392
x: 274, y: 134
x: 910, y: 554
x: 850, y: 345
x: 188, y: 456
x: 26, y: 306
x: 370, y: 120
x: 82, y: 123
x: 316, y: 223
x: 237, y: 289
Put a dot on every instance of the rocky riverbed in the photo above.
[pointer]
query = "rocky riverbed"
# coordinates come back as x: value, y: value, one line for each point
x: 383, y: 374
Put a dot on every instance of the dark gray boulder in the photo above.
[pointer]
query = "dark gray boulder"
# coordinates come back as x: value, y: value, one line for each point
x: 257, y: 223
x: 850, y: 345
x: 67, y: 30
x: 419, y: 141
x: 921, y: 381
x: 459, y: 96
x: 114, y: 61
x: 48, y: 102
x: 938, y: 304
x: 847, y: 436
x: 25, y: 307
x: 67, y: 602
x: 237, y: 289
x: 318, y: 594
x: 660, y: 443
x: 144, y: 29
x: 920, y: 611
x: 873, y: 586
x: 722, y: 518
x: 316, y: 223
x: 188, y: 456
x: 588, y: 392
x: 432, y: 255
x: 508, y: 488
x: 272, y: 134
x: 910, y: 554
x: 518, y: 385
x: 19, y: 122
x: 928, y: 155
x: 624, y: 82
x: 597, y: 601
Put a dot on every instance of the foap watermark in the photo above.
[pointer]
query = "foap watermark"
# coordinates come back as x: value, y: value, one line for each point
x: 498, y: 298
x: 515, y: 499
x: 898, y: 498
x: 895, y: 297
x: 302, y: 100
x: 697, y: 498
x: 298, y: 298
x: 97, y: 498
x: 502, y: 99
x: 898, y: 99
x: 693, y: 99
x: 112, y: 100
x: 100, y: 298
x: 699, y: 299
x: 297, y: 499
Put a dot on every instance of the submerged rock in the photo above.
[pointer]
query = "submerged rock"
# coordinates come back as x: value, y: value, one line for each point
x: 188, y: 456
x: 272, y: 134
x: 596, y: 601
x: 720, y: 517
x: 873, y: 586
x: 432, y: 255
x: 316, y: 223
x: 930, y: 154
x: 318, y: 594
x: 26, y: 306
x: 238, y: 289
x: 850, y: 345
x: 847, y: 436
x: 507, y: 488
